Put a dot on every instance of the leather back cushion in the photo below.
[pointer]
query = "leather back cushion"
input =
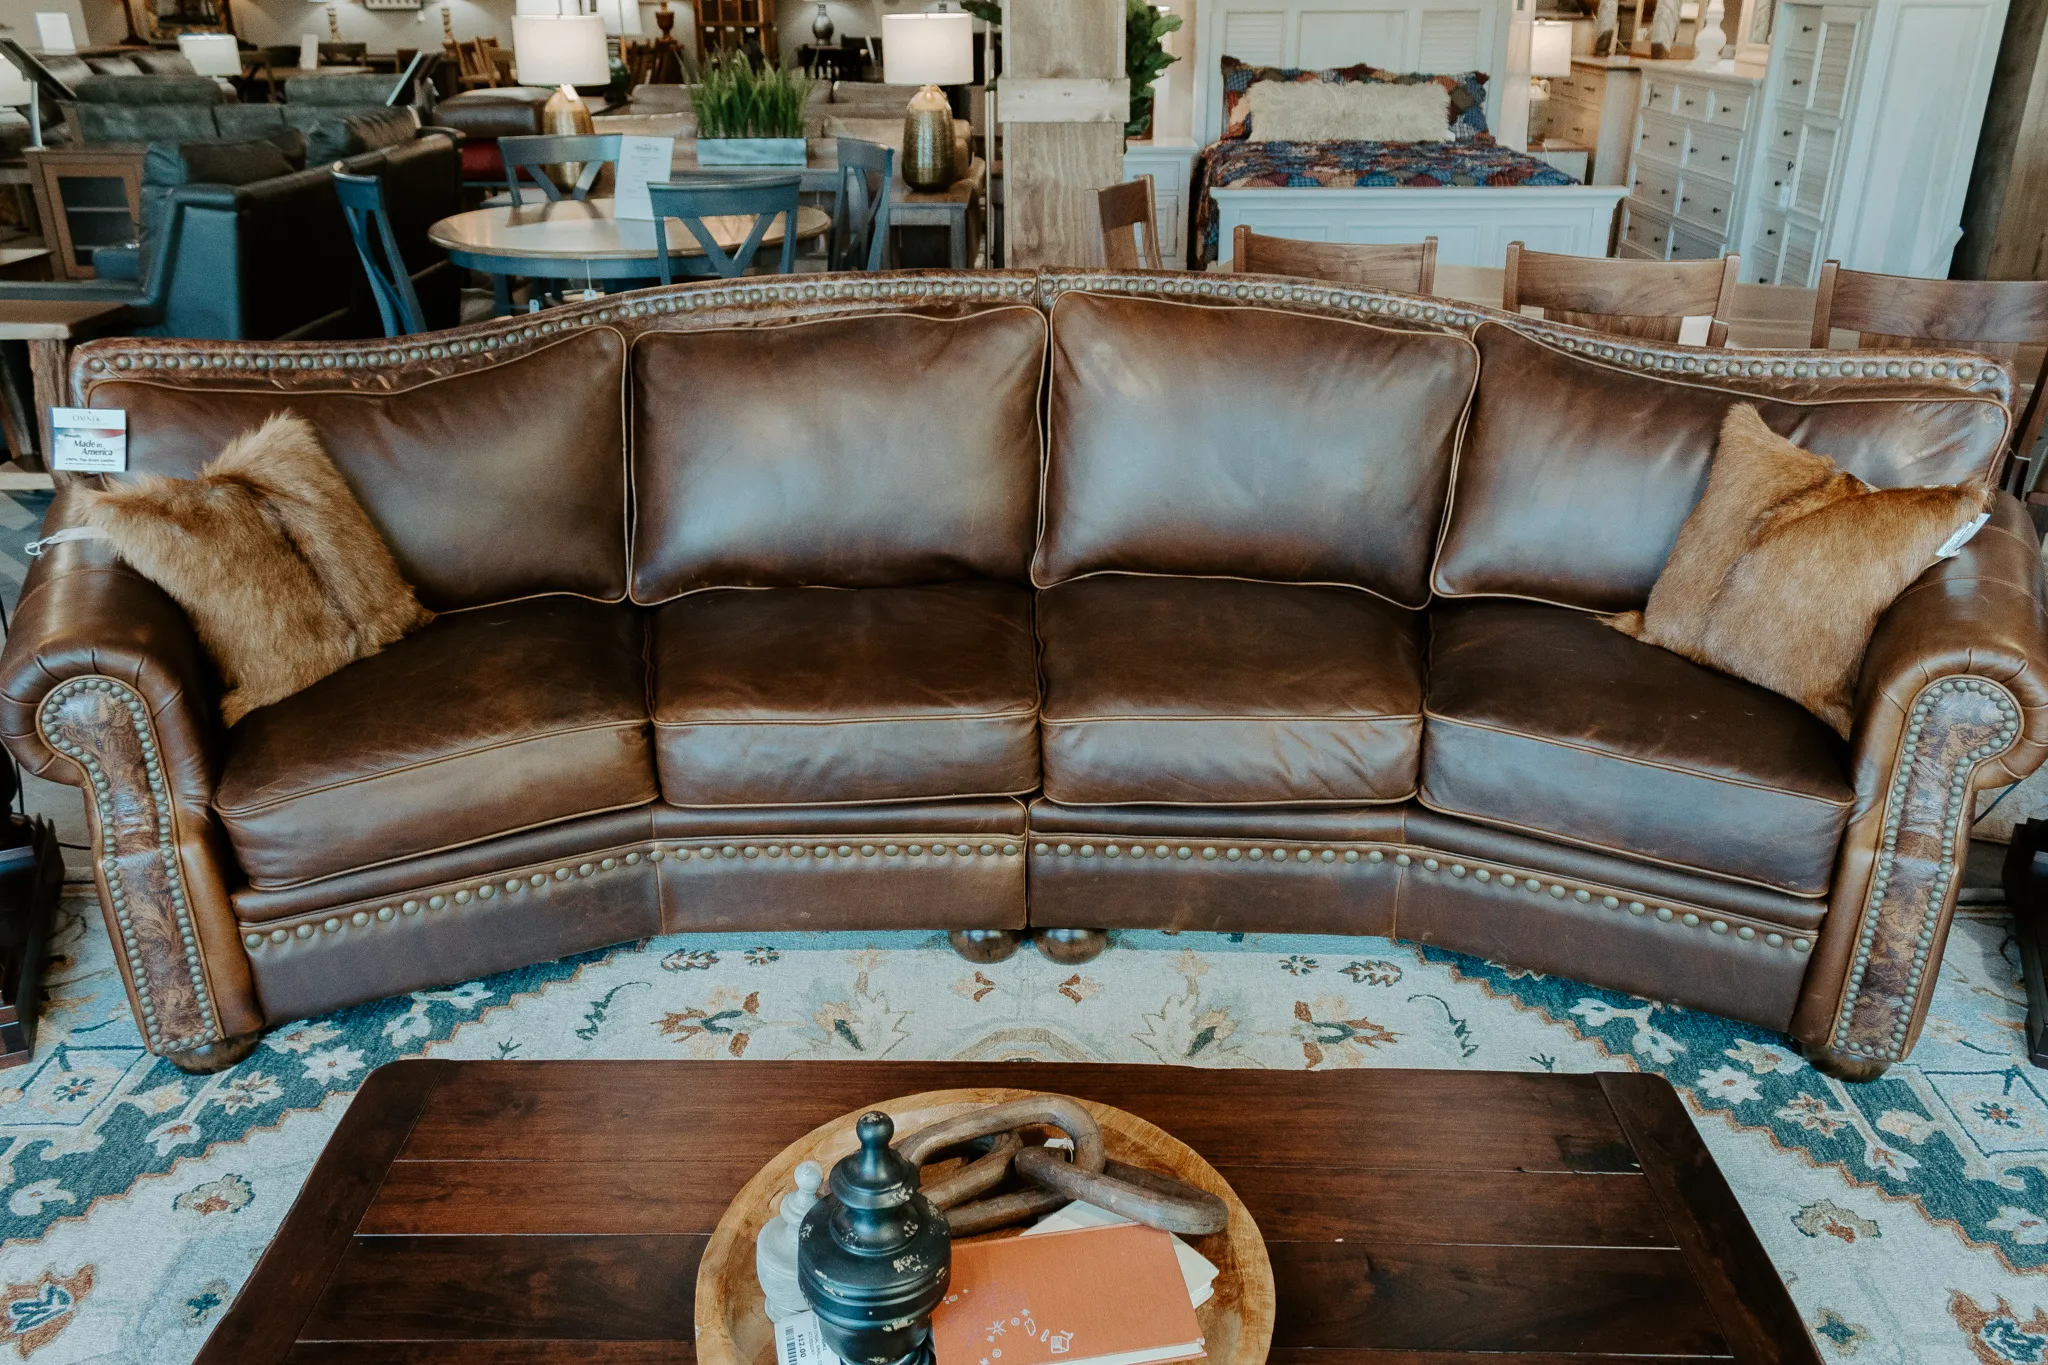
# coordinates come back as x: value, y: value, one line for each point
x: 488, y: 486
x: 1248, y: 442
x: 1575, y: 476
x: 875, y: 451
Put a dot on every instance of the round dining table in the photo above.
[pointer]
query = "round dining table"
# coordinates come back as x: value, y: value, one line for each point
x: 571, y: 240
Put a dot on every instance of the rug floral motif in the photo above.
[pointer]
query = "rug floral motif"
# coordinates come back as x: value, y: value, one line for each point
x: 1909, y: 1216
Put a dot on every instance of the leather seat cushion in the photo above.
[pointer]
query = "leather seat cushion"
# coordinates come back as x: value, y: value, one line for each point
x: 484, y: 723
x: 1544, y: 720
x: 1210, y: 691
x: 822, y: 696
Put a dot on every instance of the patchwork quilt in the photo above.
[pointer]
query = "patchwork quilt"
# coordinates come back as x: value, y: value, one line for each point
x: 1338, y: 165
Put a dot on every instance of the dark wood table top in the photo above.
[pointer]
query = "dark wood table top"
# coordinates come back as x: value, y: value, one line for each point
x: 555, y: 1211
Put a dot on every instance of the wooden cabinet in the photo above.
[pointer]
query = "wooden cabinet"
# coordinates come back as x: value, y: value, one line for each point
x: 1694, y: 138
x: 1170, y: 162
x: 1874, y: 111
x: 737, y: 26
x: 87, y: 197
x: 1594, y: 108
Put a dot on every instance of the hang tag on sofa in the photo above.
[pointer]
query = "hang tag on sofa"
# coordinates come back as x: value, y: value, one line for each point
x: 89, y: 440
x: 1953, y: 546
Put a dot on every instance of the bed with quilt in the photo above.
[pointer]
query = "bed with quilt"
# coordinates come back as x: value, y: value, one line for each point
x: 1362, y: 154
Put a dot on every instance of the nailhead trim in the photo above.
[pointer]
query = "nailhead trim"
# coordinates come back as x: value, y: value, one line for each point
x: 100, y: 789
x: 485, y: 343
x: 519, y: 881
x: 1420, y: 862
x: 1955, y: 808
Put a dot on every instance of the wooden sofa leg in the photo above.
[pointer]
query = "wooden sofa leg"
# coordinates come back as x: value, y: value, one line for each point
x: 204, y: 1061
x: 985, y: 945
x: 1842, y: 1067
x: 1071, y: 947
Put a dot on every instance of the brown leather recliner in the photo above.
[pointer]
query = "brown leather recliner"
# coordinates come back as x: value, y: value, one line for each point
x: 1069, y: 601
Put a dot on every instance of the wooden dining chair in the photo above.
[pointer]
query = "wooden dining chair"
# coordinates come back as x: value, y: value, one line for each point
x: 1646, y: 299
x: 764, y: 197
x: 584, y: 155
x: 1128, y: 228
x: 1406, y: 268
x: 476, y: 65
x: 860, y: 207
x: 2007, y: 319
x: 369, y: 222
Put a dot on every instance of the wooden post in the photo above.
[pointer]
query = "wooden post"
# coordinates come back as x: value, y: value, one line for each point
x: 1063, y: 101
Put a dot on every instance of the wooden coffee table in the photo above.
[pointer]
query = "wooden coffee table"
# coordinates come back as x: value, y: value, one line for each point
x: 555, y: 1211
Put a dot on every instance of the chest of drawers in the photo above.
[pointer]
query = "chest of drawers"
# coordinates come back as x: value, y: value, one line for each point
x: 1694, y: 138
x: 1594, y: 108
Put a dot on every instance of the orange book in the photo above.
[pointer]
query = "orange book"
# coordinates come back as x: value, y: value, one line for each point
x: 1094, y: 1296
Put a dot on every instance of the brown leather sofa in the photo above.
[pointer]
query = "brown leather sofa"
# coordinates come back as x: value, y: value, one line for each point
x: 985, y: 602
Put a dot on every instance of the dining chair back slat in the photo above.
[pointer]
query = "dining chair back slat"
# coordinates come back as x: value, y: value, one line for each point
x: 1125, y: 211
x: 583, y: 155
x: 2006, y: 319
x: 1409, y: 268
x: 369, y: 222
x: 860, y: 210
x: 764, y: 197
x: 1646, y: 299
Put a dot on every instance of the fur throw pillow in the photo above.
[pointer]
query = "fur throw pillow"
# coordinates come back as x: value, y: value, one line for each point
x: 272, y: 557
x: 1314, y: 111
x: 1781, y: 571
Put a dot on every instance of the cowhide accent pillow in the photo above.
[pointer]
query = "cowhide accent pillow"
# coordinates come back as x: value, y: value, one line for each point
x: 272, y: 557
x: 1781, y: 571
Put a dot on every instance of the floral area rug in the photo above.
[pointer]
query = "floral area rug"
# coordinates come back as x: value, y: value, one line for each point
x: 1909, y: 1216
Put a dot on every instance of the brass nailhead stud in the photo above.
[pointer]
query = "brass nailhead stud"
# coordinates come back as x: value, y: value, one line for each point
x: 1401, y: 859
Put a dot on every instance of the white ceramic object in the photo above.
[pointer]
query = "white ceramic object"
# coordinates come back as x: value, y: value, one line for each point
x: 1712, y: 37
x: 775, y: 1246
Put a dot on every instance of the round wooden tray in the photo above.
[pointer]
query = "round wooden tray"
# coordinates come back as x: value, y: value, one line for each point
x: 732, y: 1329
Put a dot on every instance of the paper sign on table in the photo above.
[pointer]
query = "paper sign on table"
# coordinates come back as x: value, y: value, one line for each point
x: 53, y: 31
x: 89, y: 440
x: 309, y: 51
x: 641, y: 159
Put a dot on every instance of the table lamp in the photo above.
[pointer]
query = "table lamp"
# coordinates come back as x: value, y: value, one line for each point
x: 928, y: 50
x: 564, y: 51
x: 1550, y: 54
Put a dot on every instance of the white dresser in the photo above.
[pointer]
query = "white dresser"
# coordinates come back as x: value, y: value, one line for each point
x: 1594, y: 108
x: 1171, y: 164
x: 1694, y: 139
x: 1867, y: 145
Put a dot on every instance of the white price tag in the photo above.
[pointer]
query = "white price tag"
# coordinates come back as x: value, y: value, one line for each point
x: 641, y: 159
x: 1953, y: 546
x: 89, y: 440
x: 799, y: 1342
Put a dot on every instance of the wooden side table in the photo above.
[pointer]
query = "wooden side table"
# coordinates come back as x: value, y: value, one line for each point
x: 87, y: 197
x: 952, y: 208
x: 50, y: 327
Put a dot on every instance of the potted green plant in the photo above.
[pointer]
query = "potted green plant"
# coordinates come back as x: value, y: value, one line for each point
x: 1145, y: 56
x: 748, y: 116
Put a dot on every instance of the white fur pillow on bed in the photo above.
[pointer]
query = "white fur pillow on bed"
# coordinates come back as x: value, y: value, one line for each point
x: 1355, y: 111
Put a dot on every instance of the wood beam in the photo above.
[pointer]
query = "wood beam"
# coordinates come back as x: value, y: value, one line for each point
x: 1064, y: 141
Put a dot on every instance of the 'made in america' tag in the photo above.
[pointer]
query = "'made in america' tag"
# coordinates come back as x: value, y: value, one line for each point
x: 89, y: 440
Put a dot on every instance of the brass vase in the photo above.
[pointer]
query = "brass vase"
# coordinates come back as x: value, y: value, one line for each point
x: 565, y: 115
x: 929, y: 161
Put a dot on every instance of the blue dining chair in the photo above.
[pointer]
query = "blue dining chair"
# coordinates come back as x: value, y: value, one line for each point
x: 860, y: 208
x: 766, y: 197
x: 593, y: 151
x: 369, y: 222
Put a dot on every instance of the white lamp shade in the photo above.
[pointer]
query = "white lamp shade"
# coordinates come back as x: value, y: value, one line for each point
x: 211, y: 54
x: 621, y: 17
x: 565, y: 49
x: 1550, y: 49
x: 927, y: 49
x: 53, y: 31
x: 14, y: 87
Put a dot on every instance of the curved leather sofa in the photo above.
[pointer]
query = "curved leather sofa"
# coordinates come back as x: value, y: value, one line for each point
x: 999, y: 600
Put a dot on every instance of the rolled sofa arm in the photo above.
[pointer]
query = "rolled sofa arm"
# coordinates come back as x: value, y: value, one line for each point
x: 1953, y: 698
x: 104, y: 686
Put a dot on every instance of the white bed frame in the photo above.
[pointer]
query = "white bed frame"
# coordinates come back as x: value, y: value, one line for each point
x: 1473, y: 226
